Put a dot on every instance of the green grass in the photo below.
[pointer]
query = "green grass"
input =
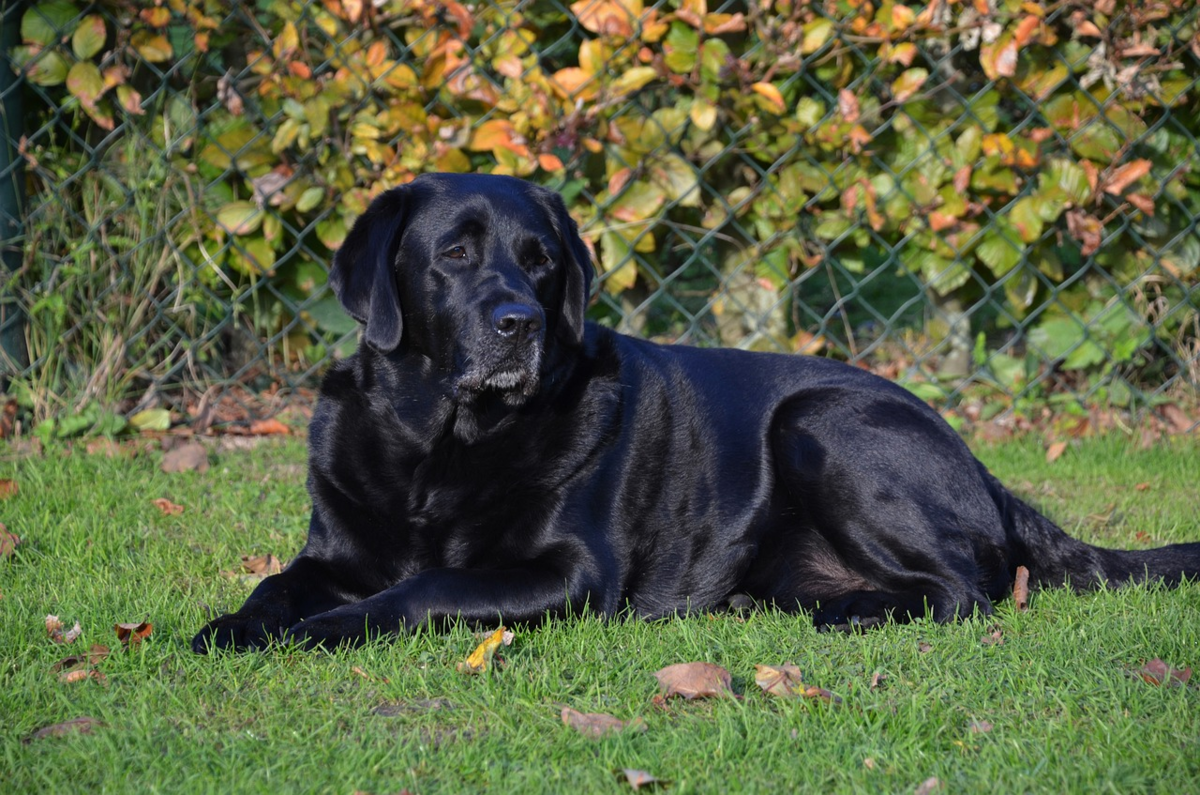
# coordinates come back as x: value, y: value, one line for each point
x: 1067, y: 715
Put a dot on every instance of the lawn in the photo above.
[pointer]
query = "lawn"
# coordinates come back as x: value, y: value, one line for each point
x: 1040, y: 701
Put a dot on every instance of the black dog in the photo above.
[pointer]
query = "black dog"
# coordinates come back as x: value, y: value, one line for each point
x: 488, y: 454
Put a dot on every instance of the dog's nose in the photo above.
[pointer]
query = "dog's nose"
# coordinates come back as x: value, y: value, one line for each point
x: 516, y: 320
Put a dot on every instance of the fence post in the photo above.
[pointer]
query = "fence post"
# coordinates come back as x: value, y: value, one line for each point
x: 13, y: 355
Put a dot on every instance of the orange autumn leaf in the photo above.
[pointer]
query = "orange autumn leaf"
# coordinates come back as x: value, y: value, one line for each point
x: 480, y: 660
x: 1126, y: 175
x: 167, y: 507
x: 130, y: 634
x: 269, y: 427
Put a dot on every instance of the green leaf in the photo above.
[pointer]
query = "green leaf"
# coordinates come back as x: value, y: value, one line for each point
x: 616, y: 258
x: 310, y: 199
x: 1063, y: 176
x: 240, y: 217
x: 47, y: 23
x: 151, y: 420
x: 909, y: 83
x: 85, y: 83
x: 44, y: 68
x: 1026, y: 219
x: 1000, y: 249
x: 89, y: 37
x: 680, y: 47
x: 816, y: 34
x: 632, y: 80
x: 330, y: 316
x: 678, y: 178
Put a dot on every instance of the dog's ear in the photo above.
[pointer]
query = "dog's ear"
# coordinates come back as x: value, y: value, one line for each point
x: 578, y: 287
x: 363, y: 275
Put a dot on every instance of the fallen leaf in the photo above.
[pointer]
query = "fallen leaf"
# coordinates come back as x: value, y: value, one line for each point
x: 54, y: 629
x: 92, y: 657
x: 1055, y: 451
x: 73, y: 726
x: 356, y: 669
x: 80, y: 675
x: 928, y: 786
x: 130, y: 634
x: 1180, y: 422
x: 877, y: 679
x: 869, y: 763
x: 694, y: 680
x: 7, y: 488
x: 640, y: 778
x: 263, y: 565
x: 597, y: 725
x: 1157, y: 672
x: 8, y: 541
x: 1142, y: 486
x: 1021, y: 588
x: 268, y: 427
x: 979, y: 726
x: 785, y: 681
x: 480, y: 659
x: 924, y: 648
x: 994, y: 638
x: 186, y: 458
x: 167, y: 507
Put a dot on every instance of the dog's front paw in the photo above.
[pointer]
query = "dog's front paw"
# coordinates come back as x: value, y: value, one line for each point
x: 237, y: 632
x: 328, y: 631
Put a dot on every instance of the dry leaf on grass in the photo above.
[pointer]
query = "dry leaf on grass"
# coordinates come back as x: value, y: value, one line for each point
x: 167, y: 507
x: 480, y: 660
x: 993, y: 638
x: 877, y: 679
x: 130, y: 634
x: 356, y: 669
x: 1055, y: 451
x: 269, y: 427
x: 785, y: 681
x: 640, y: 778
x: 73, y: 726
x: 694, y: 680
x: 928, y: 786
x: 8, y: 541
x: 92, y: 657
x: 924, y: 648
x: 979, y: 726
x: 258, y: 566
x: 1021, y: 588
x: 597, y: 725
x: 7, y: 488
x: 190, y: 457
x: 1157, y: 672
x: 54, y: 628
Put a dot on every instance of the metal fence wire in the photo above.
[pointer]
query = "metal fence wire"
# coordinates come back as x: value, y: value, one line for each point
x: 993, y: 202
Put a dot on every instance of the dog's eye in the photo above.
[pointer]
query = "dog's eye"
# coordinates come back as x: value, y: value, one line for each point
x: 458, y: 252
x: 542, y: 260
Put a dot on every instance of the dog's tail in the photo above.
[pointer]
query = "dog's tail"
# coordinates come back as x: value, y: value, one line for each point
x: 1055, y: 558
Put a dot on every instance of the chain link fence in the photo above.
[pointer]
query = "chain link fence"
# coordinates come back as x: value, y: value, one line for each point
x: 994, y: 203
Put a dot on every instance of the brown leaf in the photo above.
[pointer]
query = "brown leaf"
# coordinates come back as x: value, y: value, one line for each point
x: 7, y: 488
x: 73, y: 726
x: 597, y: 725
x: 8, y: 418
x: 54, y: 628
x: 264, y: 565
x: 924, y: 648
x: 785, y: 681
x: 962, y: 179
x: 1086, y: 229
x: 640, y: 778
x: 8, y: 541
x: 268, y: 427
x: 130, y: 634
x: 979, y: 726
x: 928, y: 786
x: 356, y: 669
x: 1179, y: 421
x: 80, y: 675
x: 92, y: 657
x: 994, y: 638
x: 848, y: 105
x: 1157, y: 672
x: 1142, y: 486
x: 481, y: 659
x: 1021, y: 588
x: 167, y: 507
x: 1125, y: 176
x: 1055, y: 451
x: 694, y: 680
x: 1142, y: 202
x: 877, y: 679
x: 186, y: 458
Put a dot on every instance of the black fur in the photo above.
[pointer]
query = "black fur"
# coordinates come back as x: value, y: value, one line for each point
x: 487, y: 454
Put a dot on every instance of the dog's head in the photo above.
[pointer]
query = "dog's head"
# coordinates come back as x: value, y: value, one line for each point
x: 486, y: 276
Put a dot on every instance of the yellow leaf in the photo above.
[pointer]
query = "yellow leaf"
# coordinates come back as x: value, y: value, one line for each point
x: 550, y: 162
x: 481, y: 659
x: 703, y: 114
x: 286, y: 42
x: 902, y: 18
x: 909, y: 83
x: 608, y: 17
x: 490, y: 135
x: 816, y: 33
x: 153, y: 47
x: 573, y: 83
x: 634, y: 79
x: 772, y: 95
x: 999, y: 59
